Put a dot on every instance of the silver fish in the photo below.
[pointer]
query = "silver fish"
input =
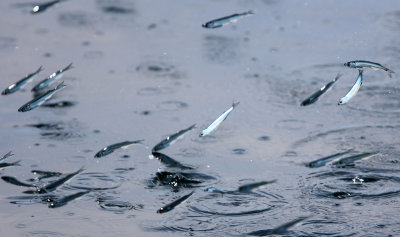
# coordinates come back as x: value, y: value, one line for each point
x: 21, y: 83
x: 171, y: 139
x: 173, y: 204
x: 42, y: 7
x: 6, y: 155
x: 248, y: 187
x: 321, y: 162
x: 282, y: 229
x: 64, y: 201
x: 351, y: 159
x: 111, y: 148
x: 368, y: 64
x: 218, y: 121
x: 46, y: 82
x: 353, y: 91
x: 40, y: 99
x: 314, y: 97
x: 226, y: 20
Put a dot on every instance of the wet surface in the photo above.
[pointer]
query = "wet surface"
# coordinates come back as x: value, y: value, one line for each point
x: 145, y: 70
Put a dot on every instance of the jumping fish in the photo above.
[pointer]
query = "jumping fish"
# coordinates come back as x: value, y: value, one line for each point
x: 226, y: 20
x: 169, y: 161
x: 249, y: 187
x: 6, y: 155
x: 3, y: 165
x: 63, y: 201
x: 353, y: 91
x: 218, y: 121
x: 368, y: 64
x: 21, y: 83
x: 351, y: 159
x: 42, y: 7
x: 314, y: 97
x: 111, y: 148
x: 173, y: 204
x: 321, y: 162
x: 14, y: 181
x: 171, y: 139
x: 40, y: 99
x: 46, y: 82
x: 282, y: 229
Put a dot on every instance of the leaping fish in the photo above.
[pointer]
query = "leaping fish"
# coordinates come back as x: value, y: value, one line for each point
x: 46, y: 82
x: 40, y: 99
x: 64, y: 201
x: 353, y: 91
x: 282, y: 229
x: 322, y: 161
x: 173, y: 204
x: 368, y: 64
x: 21, y: 83
x: 42, y: 7
x: 6, y: 155
x: 171, y: 139
x: 226, y: 20
x: 218, y: 121
x: 314, y: 97
x: 351, y: 159
x: 114, y: 147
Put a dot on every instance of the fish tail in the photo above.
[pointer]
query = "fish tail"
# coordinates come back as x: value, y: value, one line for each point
x: 234, y: 104
x: 68, y: 67
x: 390, y: 72
x: 338, y: 76
x: 250, y: 12
x: 61, y: 85
x: 40, y: 69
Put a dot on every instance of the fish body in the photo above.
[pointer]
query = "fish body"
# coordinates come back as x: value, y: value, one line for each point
x: 171, y: 139
x: 282, y: 229
x: 40, y: 99
x: 218, y: 121
x: 249, y: 187
x: 314, y: 97
x: 169, y: 161
x: 321, y: 162
x: 6, y: 156
x: 351, y: 159
x: 50, y: 79
x: 226, y: 20
x: 64, y: 201
x: 213, y: 190
x: 111, y: 148
x: 42, y: 7
x: 3, y: 165
x: 173, y: 204
x: 14, y: 181
x: 21, y: 83
x: 353, y: 91
x: 368, y: 64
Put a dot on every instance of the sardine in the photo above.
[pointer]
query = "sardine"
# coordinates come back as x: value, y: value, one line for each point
x: 111, y: 148
x: 173, y: 204
x: 168, y: 161
x: 282, y: 229
x: 42, y: 7
x: 3, y: 165
x: 50, y: 79
x: 353, y: 91
x: 64, y: 201
x: 21, y: 83
x: 351, y: 159
x: 368, y: 64
x: 218, y: 121
x: 249, y: 187
x: 14, y: 181
x: 314, y: 97
x: 226, y: 20
x: 172, y: 139
x: 321, y: 162
x: 6, y: 155
x: 40, y: 99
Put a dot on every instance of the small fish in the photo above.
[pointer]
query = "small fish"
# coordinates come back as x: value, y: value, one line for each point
x: 21, y: 83
x: 218, y: 121
x: 226, y: 20
x: 6, y: 155
x: 169, y: 161
x: 173, y: 204
x: 64, y: 201
x: 314, y: 97
x: 42, y: 7
x: 353, y: 91
x: 3, y: 165
x: 12, y: 180
x: 114, y: 147
x: 171, y: 139
x: 45, y: 174
x: 351, y: 159
x: 213, y: 190
x: 282, y: 229
x: 370, y: 65
x: 321, y: 162
x: 249, y: 187
x: 46, y: 82
x: 40, y: 99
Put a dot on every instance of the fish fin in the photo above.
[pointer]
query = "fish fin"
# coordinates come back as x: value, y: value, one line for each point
x: 390, y: 72
x: 338, y: 75
x: 61, y: 85
x: 9, y: 154
x: 234, y: 104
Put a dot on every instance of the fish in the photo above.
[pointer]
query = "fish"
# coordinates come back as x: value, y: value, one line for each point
x: 37, y: 101
x: 314, y: 97
x: 368, y: 64
x: 12, y: 180
x: 282, y: 229
x: 321, y: 162
x: 351, y: 159
x: 65, y: 200
x: 45, y: 174
x: 171, y: 139
x: 168, y: 161
x: 16, y: 163
x: 214, y: 190
x: 249, y: 187
x: 226, y: 20
x: 50, y: 79
x: 6, y: 155
x: 114, y: 147
x: 21, y: 83
x: 218, y: 121
x: 173, y: 204
x: 42, y: 7
x: 353, y: 91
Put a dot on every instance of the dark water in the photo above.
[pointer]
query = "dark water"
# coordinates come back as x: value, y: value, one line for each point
x: 146, y: 69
